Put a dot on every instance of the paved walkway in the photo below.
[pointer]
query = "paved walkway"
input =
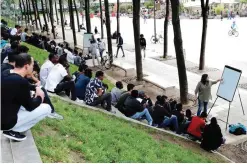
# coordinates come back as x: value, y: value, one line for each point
x: 168, y: 74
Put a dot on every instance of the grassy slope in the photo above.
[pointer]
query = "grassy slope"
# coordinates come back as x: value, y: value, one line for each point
x: 90, y: 136
x: 41, y: 55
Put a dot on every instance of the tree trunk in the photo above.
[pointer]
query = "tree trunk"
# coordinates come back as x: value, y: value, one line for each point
x: 35, y: 15
x: 56, y: 12
x: 52, y: 19
x: 47, y: 10
x: 30, y: 11
x: 44, y: 15
x: 36, y: 5
x: 72, y: 21
x: 61, y: 16
x: 204, y: 33
x: 166, y: 29
x: 87, y: 15
x: 70, y: 15
x: 21, y: 9
x: 25, y: 12
x: 108, y: 30
x: 101, y: 20
x: 155, y: 37
x: 77, y: 16
x: 118, y: 27
x: 178, y: 43
x: 136, y: 28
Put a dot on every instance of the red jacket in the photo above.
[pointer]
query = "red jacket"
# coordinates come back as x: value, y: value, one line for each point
x: 196, y: 126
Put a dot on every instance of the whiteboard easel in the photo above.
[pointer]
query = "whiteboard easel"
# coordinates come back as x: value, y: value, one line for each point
x: 228, y: 87
x: 87, y: 37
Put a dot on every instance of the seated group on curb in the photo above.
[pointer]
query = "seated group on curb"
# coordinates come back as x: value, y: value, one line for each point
x: 25, y: 100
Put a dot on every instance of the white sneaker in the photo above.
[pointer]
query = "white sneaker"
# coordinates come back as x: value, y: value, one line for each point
x: 79, y: 101
x: 56, y: 116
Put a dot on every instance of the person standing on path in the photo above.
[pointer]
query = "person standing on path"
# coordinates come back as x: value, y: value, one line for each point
x: 95, y: 30
x: 143, y: 44
x: 203, y: 92
x: 94, y: 51
x: 101, y: 46
x: 120, y: 45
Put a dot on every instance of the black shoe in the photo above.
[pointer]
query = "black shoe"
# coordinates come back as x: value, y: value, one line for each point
x: 123, y: 56
x: 14, y: 135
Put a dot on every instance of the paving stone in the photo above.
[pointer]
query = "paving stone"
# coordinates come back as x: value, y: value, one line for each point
x: 6, y: 152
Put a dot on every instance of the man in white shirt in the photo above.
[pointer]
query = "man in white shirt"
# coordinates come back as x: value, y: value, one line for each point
x: 70, y: 56
x: 14, y: 30
x: 46, y: 68
x: 59, y: 79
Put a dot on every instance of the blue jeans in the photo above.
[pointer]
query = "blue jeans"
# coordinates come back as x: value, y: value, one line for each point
x: 200, y: 104
x: 172, y: 121
x: 145, y: 113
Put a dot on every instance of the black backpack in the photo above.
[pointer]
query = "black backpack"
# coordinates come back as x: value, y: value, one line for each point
x: 120, y: 41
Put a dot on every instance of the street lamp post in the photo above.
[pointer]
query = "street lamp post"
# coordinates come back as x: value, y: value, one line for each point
x: 155, y: 39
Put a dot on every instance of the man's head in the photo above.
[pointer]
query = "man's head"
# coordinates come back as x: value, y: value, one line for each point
x: 53, y: 58
x: 179, y: 107
x: 26, y: 30
x: 141, y: 35
x: 134, y: 93
x: 99, y: 75
x: 17, y: 26
x: 119, y: 85
x: 88, y: 73
x: 23, y: 49
x: 14, y: 45
x: 63, y: 60
x: 82, y: 68
x: 24, y: 62
x: 130, y: 87
x: 119, y: 34
x: 11, y: 56
x: 98, y: 39
x: 204, y: 115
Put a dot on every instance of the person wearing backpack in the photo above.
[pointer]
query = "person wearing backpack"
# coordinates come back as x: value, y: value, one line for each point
x: 143, y: 44
x: 120, y: 45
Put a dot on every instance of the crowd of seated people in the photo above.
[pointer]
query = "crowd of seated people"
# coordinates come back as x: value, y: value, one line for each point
x: 23, y: 107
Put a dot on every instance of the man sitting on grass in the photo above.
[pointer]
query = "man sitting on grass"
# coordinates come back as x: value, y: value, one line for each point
x: 116, y: 92
x: 59, y: 79
x: 197, y: 125
x: 82, y: 81
x: 20, y: 111
x: 96, y: 92
x: 123, y: 97
x: 134, y: 109
x: 46, y: 68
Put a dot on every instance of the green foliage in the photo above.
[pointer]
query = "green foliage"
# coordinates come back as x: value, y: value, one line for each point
x: 149, y: 4
x: 91, y: 136
x: 218, y: 9
x: 181, y: 8
x: 243, y: 1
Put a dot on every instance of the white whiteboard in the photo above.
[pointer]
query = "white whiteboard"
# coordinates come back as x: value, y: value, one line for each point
x: 228, y: 86
x: 87, y: 37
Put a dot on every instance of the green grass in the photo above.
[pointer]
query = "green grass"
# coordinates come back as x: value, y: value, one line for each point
x: 10, y: 22
x: 91, y: 136
x: 40, y: 55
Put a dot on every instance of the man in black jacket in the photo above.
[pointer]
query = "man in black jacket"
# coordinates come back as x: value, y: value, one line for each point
x: 143, y: 44
x: 120, y: 45
x: 162, y: 116
x: 136, y: 110
x: 120, y: 104
x: 20, y: 111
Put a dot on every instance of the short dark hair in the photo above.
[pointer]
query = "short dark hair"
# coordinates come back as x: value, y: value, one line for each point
x: 62, y: 60
x: 188, y: 113
x: 26, y: 30
x: 82, y: 67
x: 16, y: 26
x: 23, y: 49
x: 99, y: 73
x: 179, y: 107
x: 14, y: 45
x: 75, y: 51
x: 22, y: 59
x: 134, y: 93
x: 119, y: 84
x: 130, y: 87
x: 51, y: 56
x: 12, y: 55
x: 88, y: 73
x: 204, y: 114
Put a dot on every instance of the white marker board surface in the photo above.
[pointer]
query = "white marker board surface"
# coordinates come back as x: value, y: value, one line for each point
x: 228, y: 86
x: 87, y: 37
